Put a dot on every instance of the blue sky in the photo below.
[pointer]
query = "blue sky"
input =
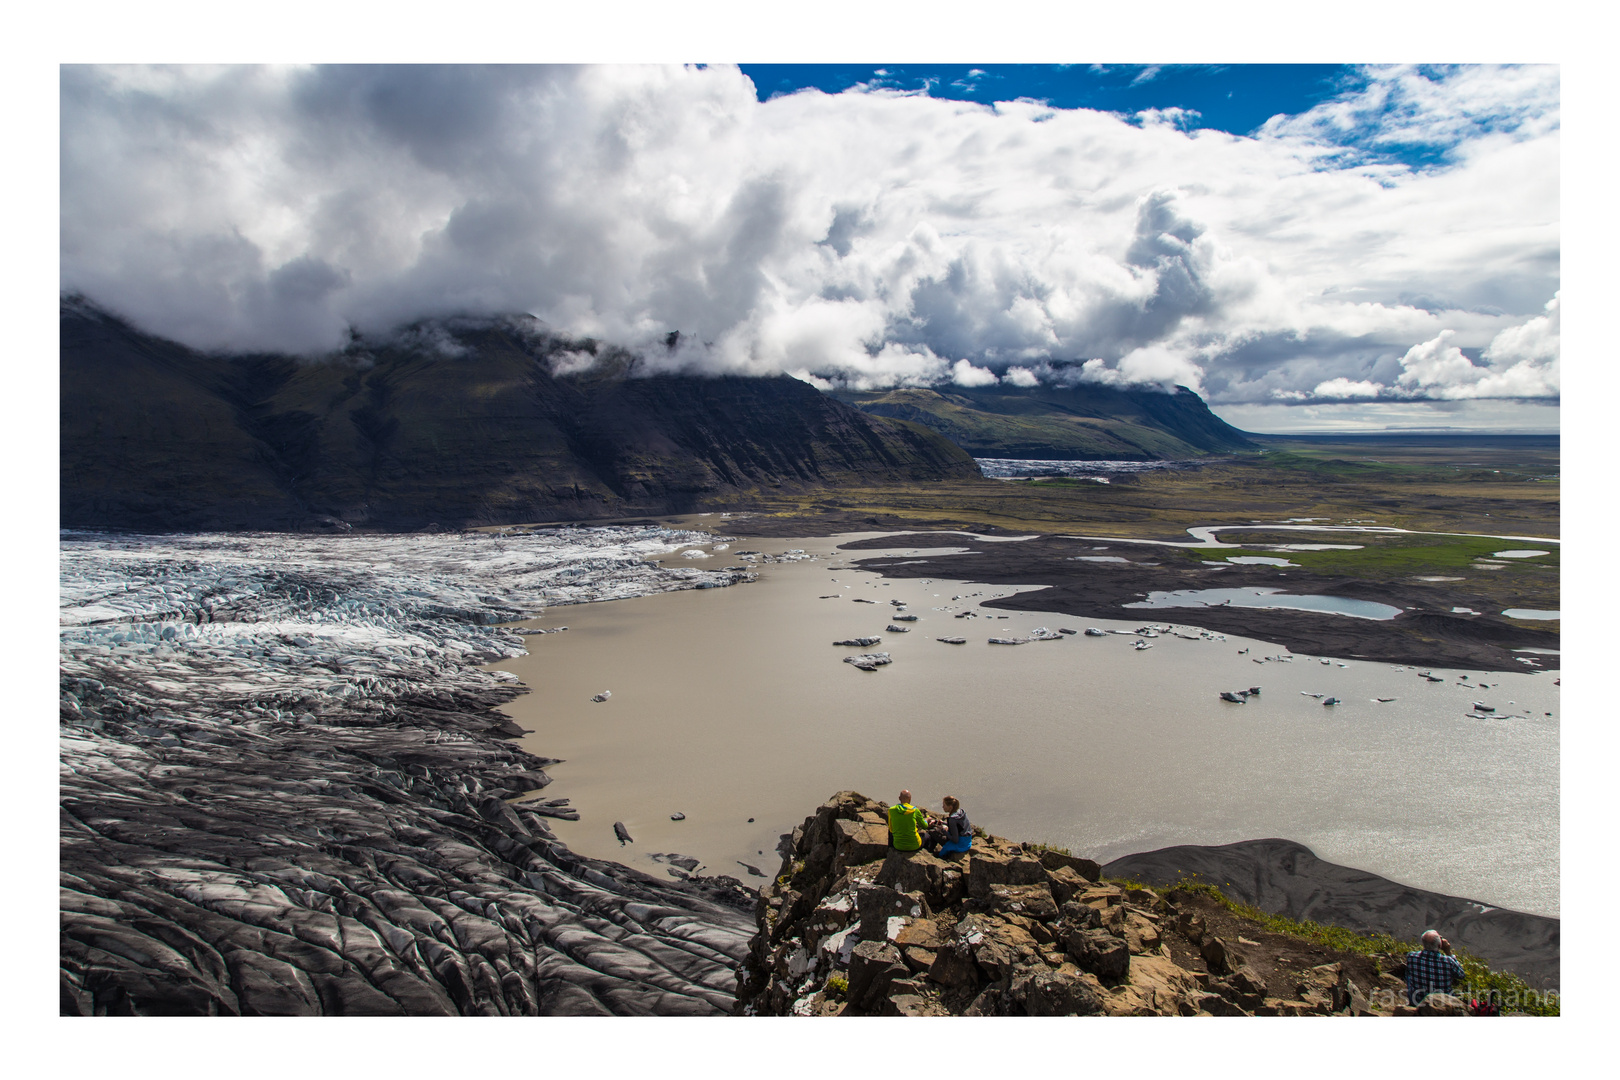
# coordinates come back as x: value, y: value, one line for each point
x: 1237, y: 98
x: 1234, y: 98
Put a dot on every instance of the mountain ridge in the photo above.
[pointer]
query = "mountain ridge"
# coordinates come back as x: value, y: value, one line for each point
x: 469, y: 422
x: 1074, y: 421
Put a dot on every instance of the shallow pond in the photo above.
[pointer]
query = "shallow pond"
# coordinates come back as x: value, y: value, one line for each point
x: 1266, y: 598
x: 1530, y: 613
x: 731, y: 704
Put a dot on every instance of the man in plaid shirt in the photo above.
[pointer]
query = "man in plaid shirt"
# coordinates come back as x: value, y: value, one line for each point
x: 1433, y: 970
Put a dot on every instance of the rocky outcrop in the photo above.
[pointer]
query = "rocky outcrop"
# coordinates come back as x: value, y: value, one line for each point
x: 455, y: 423
x: 850, y: 927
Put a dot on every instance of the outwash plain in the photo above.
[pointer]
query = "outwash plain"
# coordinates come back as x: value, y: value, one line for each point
x: 287, y: 787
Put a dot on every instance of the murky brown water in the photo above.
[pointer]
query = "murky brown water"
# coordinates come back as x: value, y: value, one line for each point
x: 730, y: 704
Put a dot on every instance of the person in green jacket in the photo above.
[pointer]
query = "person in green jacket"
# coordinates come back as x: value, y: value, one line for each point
x: 906, y: 823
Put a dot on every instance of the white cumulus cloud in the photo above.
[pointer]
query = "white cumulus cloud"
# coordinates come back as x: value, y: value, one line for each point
x: 856, y: 239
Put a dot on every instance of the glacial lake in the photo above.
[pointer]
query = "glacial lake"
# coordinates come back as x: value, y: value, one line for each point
x: 731, y: 704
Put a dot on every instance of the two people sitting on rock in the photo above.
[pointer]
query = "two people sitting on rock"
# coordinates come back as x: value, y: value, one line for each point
x: 954, y: 834
x: 1432, y: 970
x: 910, y: 830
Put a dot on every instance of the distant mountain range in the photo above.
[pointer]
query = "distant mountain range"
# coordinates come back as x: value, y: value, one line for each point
x: 462, y: 422
x: 1084, y: 420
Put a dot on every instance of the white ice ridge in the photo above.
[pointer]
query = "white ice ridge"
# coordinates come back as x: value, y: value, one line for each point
x: 288, y: 627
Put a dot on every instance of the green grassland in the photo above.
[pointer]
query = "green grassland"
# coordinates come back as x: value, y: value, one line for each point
x: 1492, y: 489
x: 1257, y: 488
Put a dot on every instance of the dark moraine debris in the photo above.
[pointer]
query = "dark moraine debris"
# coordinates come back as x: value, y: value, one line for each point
x: 307, y: 869
x: 1424, y: 633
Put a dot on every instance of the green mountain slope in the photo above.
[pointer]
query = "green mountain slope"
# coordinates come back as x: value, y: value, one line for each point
x: 1084, y: 421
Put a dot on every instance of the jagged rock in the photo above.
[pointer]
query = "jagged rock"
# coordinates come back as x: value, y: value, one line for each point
x: 1080, y: 916
x: 1034, y: 901
x: 1099, y: 952
x: 953, y: 640
x: 1215, y: 1005
x: 988, y: 865
x: 1216, y: 955
x: 988, y: 1003
x: 1049, y: 993
x: 869, y: 661
x: 872, y: 966
x: 1086, y: 868
x: 859, y: 642
x: 1442, y: 1005
x: 884, y: 911
x: 954, y: 966
x: 1065, y: 883
x: 918, y: 959
x: 938, y: 881
x: 1248, y: 981
x: 1157, y: 987
x: 859, y: 842
x: 1140, y: 933
x: 995, y: 958
x: 903, y: 1000
x: 922, y: 933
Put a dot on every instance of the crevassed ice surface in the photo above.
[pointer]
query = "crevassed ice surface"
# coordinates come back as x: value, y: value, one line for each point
x: 290, y: 622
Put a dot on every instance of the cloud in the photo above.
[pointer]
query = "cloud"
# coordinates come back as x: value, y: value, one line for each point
x: 1346, y: 388
x: 1152, y: 365
x: 965, y: 374
x: 856, y: 239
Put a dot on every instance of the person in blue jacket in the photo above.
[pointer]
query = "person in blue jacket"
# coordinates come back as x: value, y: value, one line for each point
x: 956, y: 834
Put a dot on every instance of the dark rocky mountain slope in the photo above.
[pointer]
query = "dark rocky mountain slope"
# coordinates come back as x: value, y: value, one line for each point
x: 459, y: 422
x: 1085, y: 420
